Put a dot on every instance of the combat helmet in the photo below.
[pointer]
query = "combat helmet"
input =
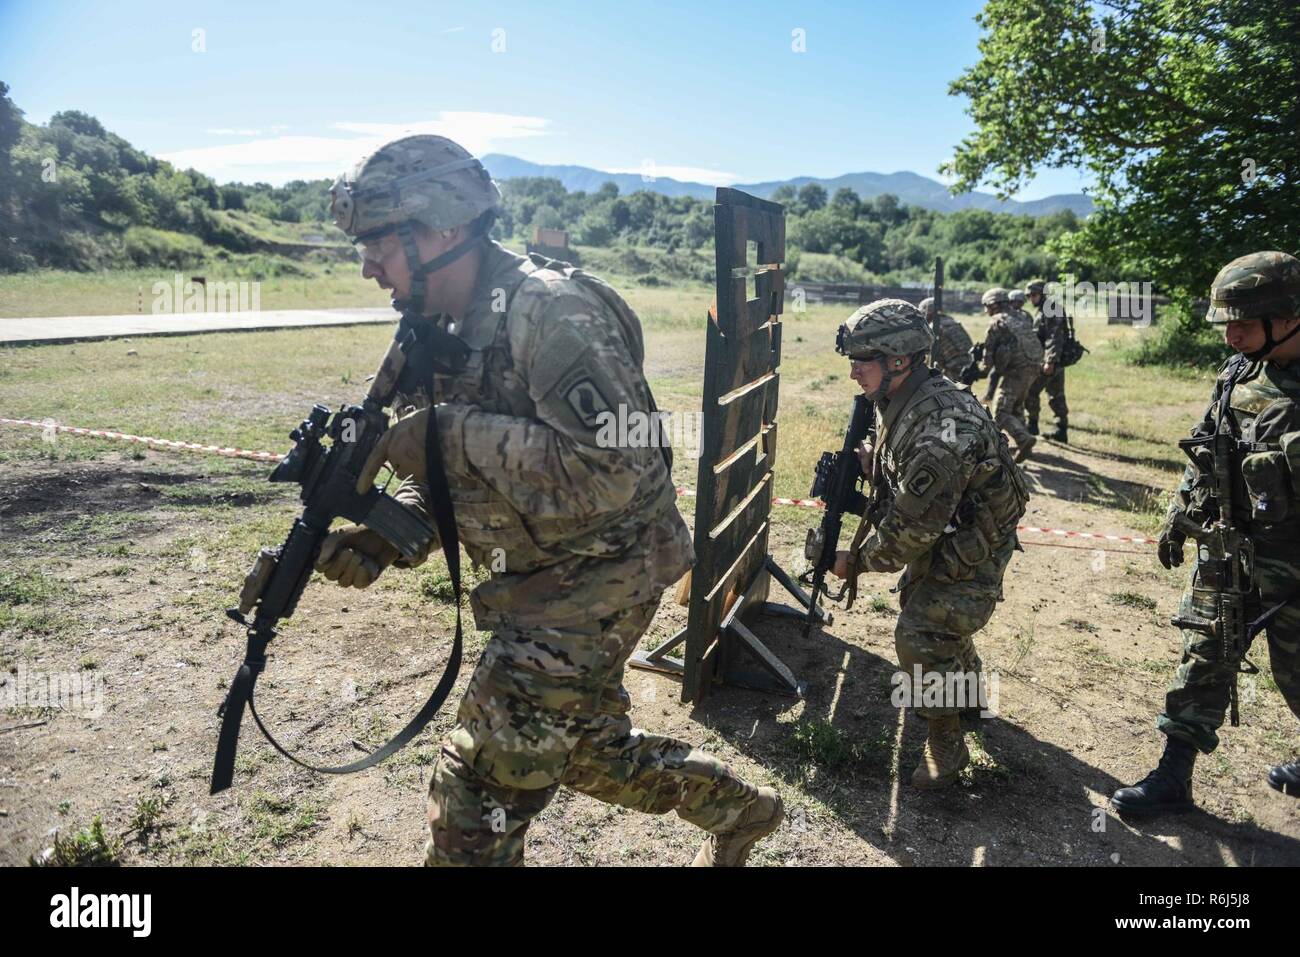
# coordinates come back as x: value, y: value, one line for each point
x: 997, y: 296
x: 883, y: 329
x: 415, y: 179
x: 926, y: 306
x: 1035, y: 285
x: 1257, y: 286
x: 1016, y: 297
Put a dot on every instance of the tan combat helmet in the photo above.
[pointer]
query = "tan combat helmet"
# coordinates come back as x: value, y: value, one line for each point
x: 1257, y: 286
x: 415, y: 179
x: 997, y: 296
x: 883, y: 329
x: 1016, y: 297
x: 926, y: 306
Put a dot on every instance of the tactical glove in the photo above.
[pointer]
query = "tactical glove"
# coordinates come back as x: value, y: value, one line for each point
x: 1170, y: 547
x: 353, y: 556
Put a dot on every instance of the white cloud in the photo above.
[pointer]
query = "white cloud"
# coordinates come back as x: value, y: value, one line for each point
x: 689, y: 174
x: 278, y: 159
x: 228, y: 132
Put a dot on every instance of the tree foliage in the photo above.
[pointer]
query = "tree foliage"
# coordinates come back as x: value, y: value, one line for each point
x: 1186, y: 111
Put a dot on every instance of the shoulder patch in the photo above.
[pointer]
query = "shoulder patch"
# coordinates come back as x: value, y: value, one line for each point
x: 920, y: 481
x: 587, y: 401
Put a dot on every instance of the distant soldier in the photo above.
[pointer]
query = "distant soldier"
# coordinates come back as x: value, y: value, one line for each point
x: 1246, y: 448
x: 581, y: 537
x: 946, y: 497
x: 952, y: 350
x: 1052, y: 329
x: 1017, y: 312
x: 1013, y: 352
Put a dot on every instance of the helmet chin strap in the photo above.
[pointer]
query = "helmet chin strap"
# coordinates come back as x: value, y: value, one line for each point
x: 887, y: 377
x: 1269, y: 342
x: 413, y: 304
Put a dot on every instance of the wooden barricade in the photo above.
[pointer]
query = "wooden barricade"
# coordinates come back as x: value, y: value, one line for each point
x: 733, y: 570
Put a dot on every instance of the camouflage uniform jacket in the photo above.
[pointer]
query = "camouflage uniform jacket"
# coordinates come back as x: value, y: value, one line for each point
x: 1051, y: 330
x: 1011, y: 345
x: 1264, y: 416
x: 573, y: 528
x: 952, y: 350
x: 944, y: 481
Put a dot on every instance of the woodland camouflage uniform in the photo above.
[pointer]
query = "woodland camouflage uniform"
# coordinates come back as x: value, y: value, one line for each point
x: 1263, y: 419
x: 1050, y: 327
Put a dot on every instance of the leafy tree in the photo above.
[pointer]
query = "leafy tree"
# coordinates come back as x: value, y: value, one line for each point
x: 1187, y: 112
x: 812, y: 196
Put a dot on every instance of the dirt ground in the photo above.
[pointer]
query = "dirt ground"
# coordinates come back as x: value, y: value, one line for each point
x: 139, y: 553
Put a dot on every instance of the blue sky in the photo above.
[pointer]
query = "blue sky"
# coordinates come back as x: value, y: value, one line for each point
x: 706, y: 91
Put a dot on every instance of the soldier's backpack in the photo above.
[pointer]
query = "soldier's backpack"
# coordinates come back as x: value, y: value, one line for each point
x: 1072, y: 351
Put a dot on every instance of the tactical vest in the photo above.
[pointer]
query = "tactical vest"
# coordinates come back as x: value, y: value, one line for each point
x: 1264, y: 420
x: 486, y: 519
x: 996, y: 495
x: 1022, y: 334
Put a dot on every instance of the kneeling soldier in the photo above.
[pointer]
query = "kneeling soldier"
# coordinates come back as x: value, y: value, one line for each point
x: 945, y: 499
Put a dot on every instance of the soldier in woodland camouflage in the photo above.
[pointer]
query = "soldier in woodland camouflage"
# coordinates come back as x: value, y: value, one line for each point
x: 1012, y: 351
x: 1050, y: 327
x: 952, y: 349
x: 946, y: 497
x: 580, y: 539
x: 1256, y: 399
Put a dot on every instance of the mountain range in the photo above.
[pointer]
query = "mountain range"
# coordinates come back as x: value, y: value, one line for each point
x: 910, y: 188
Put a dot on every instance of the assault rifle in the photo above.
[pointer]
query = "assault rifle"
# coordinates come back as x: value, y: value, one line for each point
x: 973, y: 370
x: 1226, y: 553
x: 836, y: 482
x: 328, y: 476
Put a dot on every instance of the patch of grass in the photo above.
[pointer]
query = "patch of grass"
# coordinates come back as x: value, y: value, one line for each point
x: 26, y: 588
x: 1024, y: 645
x: 279, y: 821
x: 1131, y: 599
x: 148, y: 809
x: 818, y: 743
x: 1078, y: 624
x: 88, y: 847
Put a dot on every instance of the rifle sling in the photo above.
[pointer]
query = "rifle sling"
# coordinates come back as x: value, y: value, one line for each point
x: 241, y: 690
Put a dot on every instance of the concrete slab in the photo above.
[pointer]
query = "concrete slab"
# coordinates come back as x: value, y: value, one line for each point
x: 44, y: 330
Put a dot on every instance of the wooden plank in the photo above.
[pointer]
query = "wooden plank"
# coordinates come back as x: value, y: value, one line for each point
x: 740, y: 420
x: 740, y: 361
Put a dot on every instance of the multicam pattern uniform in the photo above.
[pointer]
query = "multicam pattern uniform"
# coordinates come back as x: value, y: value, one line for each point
x: 590, y: 537
x: 1051, y: 331
x: 942, y: 465
x: 1013, y: 351
x: 952, y: 349
x: 1264, y: 408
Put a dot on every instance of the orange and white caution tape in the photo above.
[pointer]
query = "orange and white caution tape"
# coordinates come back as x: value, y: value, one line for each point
x: 168, y: 444
x: 171, y: 445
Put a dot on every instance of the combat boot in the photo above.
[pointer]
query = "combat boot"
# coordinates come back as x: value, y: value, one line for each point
x: 1166, y: 790
x: 1062, y: 433
x: 1033, y: 426
x: 731, y: 847
x: 1286, y: 778
x: 1022, y: 452
x: 945, y: 754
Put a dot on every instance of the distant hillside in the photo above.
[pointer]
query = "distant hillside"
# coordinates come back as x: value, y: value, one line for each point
x: 910, y: 188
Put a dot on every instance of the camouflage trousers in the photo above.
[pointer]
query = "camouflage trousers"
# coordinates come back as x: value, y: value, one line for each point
x: 1009, y: 403
x: 545, y: 707
x: 943, y: 603
x: 1054, y: 386
x: 1198, y: 696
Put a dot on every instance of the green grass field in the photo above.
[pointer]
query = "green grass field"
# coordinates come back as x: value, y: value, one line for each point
x: 249, y: 389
